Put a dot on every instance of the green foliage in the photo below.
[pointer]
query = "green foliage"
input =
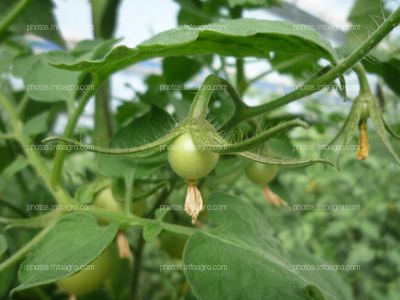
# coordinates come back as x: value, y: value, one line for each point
x: 35, y: 18
x: 75, y: 241
x: 242, y: 37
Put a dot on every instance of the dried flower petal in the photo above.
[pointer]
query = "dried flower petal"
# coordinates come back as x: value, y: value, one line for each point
x: 363, y: 149
x: 273, y: 198
x: 193, y: 201
x: 123, y: 247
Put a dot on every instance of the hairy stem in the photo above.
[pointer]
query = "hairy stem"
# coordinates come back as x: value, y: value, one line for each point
x: 15, y: 12
x: 103, y: 127
x: 319, y: 83
x: 212, y: 83
x: 240, y: 76
x: 68, y: 132
x: 33, y: 156
x: 22, y: 105
x: 362, y: 78
x: 262, y: 137
x: 138, y: 253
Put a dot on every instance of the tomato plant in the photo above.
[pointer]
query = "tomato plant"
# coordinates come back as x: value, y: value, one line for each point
x: 159, y: 149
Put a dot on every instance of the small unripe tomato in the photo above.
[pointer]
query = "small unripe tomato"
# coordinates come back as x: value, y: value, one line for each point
x: 189, y: 162
x: 89, y: 279
x: 104, y: 199
x: 261, y: 173
x: 364, y: 111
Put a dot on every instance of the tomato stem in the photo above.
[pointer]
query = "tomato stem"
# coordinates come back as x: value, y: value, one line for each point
x: 320, y: 82
x: 69, y: 131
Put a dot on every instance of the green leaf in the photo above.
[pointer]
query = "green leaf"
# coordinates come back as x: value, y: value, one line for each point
x: 256, y: 265
x: 37, y: 18
x: 160, y: 214
x: 387, y: 68
x: 6, y: 276
x: 300, y: 66
x: 240, y: 37
x: 252, y: 3
x: 7, y: 55
x: 3, y: 245
x: 380, y: 128
x: 324, y: 279
x: 17, y: 165
x: 85, y: 193
x: 178, y: 70
x: 140, y: 131
x: 366, y: 16
x: 76, y: 240
x: 49, y: 84
x: 22, y: 64
x: 44, y: 82
x: 38, y: 124
x: 104, y: 14
x: 360, y: 253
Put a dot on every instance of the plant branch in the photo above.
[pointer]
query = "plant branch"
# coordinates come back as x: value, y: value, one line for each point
x: 125, y: 221
x: 212, y: 83
x: 17, y: 256
x: 69, y: 131
x: 138, y: 253
x: 33, y: 157
x: 15, y: 12
x: 317, y: 84
x: 362, y: 78
x: 22, y: 105
x: 13, y: 207
x: 240, y: 76
x: 141, y: 242
x: 262, y: 137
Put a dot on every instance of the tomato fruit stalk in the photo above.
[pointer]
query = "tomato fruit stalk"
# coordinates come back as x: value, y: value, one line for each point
x: 192, y: 163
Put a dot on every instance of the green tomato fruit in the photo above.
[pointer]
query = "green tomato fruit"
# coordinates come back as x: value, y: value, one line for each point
x: 261, y: 173
x: 89, y: 279
x: 104, y: 199
x: 364, y: 111
x: 189, y: 162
